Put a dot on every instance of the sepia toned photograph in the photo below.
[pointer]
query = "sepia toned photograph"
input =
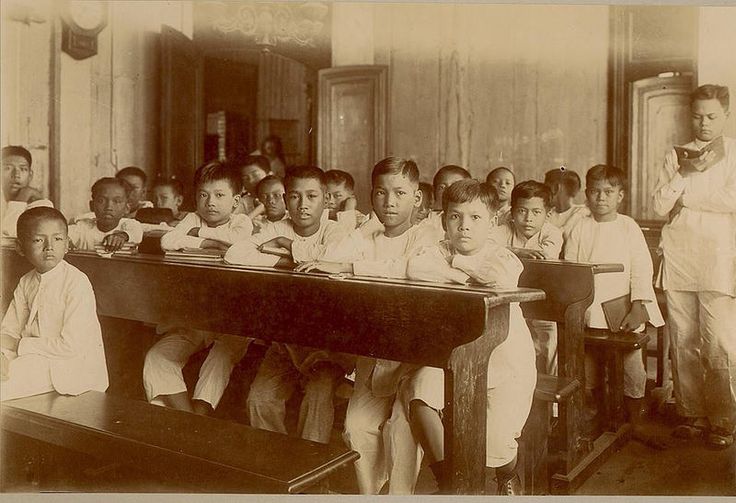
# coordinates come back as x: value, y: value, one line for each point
x: 338, y: 249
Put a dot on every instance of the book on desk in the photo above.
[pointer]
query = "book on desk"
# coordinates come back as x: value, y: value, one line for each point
x: 206, y: 254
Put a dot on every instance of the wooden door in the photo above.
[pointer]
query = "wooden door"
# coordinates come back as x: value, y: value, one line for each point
x: 353, y: 102
x: 660, y: 118
x: 182, y: 110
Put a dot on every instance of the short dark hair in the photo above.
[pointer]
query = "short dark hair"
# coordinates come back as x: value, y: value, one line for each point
x: 268, y: 179
x: 29, y: 219
x: 19, y: 151
x: 215, y: 171
x: 132, y: 171
x: 303, y: 171
x: 427, y: 194
x: 396, y: 166
x: 467, y: 191
x: 530, y: 189
x: 278, y: 145
x: 172, y: 182
x: 241, y: 161
x: 611, y: 174
x: 711, y: 92
x: 338, y: 176
x: 497, y: 170
x: 565, y: 177
x: 450, y: 169
x: 108, y: 180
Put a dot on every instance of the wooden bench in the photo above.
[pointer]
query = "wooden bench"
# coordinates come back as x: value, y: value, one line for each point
x: 569, y: 292
x: 191, y: 450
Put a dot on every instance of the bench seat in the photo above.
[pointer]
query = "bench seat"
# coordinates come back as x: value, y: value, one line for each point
x: 199, y: 451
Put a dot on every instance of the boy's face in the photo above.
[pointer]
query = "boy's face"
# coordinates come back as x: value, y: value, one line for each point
x: 529, y: 215
x: 467, y: 226
x: 45, y: 245
x: 603, y: 200
x: 336, y: 195
x: 305, y: 201
x: 503, y: 181
x: 394, y: 197
x: 251, y: 175
x: 216, y: 202
x: 165, y: 197
x: 445, y: 180
x: 17, y: 174
x: 137, y: 190
x: 420, y: 212
x: 708, y: 119
x: 109, y: 205
x: 272, y: 196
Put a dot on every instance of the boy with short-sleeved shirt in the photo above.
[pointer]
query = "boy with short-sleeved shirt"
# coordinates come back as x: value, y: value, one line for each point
x: 303, y: 237
x: 378, y: 417
x: 213, y: 225
x: 609, y: 237
x: 469, y: 256
x: 565, y: 185
x: 503, y: 180
x: 51, y: 337
x: 109, y: 228
x: 18, y: 195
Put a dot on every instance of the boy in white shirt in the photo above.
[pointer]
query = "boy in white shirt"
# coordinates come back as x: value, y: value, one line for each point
x: 303, y: 237
x: 379, y: 424
x: 698, y: 271
x: 270, y: 192
x: 503, y: 180
x: 468, y: 256
x: 341, y: 199
x: 565, y: 185
x: 213, y: 225
x: 529, y: 235
x: 136, y: 178
x: 609, y: 237
x: 51, y: 337
x: 252, y: 169
x: 110, y: 227
x: 18, y: 195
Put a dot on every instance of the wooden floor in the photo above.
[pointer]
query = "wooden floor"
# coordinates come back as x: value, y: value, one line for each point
x: 686, y: 469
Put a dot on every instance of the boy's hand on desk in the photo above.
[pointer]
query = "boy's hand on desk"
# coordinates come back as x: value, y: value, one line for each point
x: 194, y: 231
x: 636, y: 317
x: 279, y: 242
x: 526, y: 253
x: 328, y: 267
x: 115, y: 241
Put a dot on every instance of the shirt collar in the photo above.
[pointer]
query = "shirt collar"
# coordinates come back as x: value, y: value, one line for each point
x: 53, y: 274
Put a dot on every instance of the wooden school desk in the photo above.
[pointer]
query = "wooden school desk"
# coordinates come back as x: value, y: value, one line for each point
x: 453, y: 327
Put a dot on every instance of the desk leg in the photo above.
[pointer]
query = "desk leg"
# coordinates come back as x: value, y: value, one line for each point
x: 466, y: 384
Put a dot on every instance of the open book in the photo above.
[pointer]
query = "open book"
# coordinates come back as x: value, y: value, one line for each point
x: 700, y: 160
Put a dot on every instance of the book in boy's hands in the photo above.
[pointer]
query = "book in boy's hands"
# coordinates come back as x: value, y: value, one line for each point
x: 700, y: 160
x: 209, y: 254
x: 615, y: 310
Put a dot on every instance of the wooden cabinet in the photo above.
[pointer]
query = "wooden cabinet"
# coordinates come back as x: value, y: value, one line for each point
x: 353, y: 103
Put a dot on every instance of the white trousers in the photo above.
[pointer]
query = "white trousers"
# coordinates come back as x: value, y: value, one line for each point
x: 28, y: 375
x: 635, y: 375
x: 276, y: 381
x: 702, y: 328
x: 162, y: 369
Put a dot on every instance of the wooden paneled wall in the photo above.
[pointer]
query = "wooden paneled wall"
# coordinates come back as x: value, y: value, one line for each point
x: 491, y: 85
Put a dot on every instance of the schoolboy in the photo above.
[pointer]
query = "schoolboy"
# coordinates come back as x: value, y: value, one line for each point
x: 609, y: 237
x: 51, y: 337
x: 425, y: 208
x: 698, y: 271
x: 565, y: 185
x: 341, y: 201
x: 18, y: 195
x: 252, y: 169
x: 377, y: 424
x: 136, y: 178
x: 529, y: 235
x: 217, y: 189
x: 304, y: 237
x: 468, y: 256
x: 445, y: 176
x: 270, y: 192
x: 169, y: 193
x: 109, y: 227
x: 503, y: 180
